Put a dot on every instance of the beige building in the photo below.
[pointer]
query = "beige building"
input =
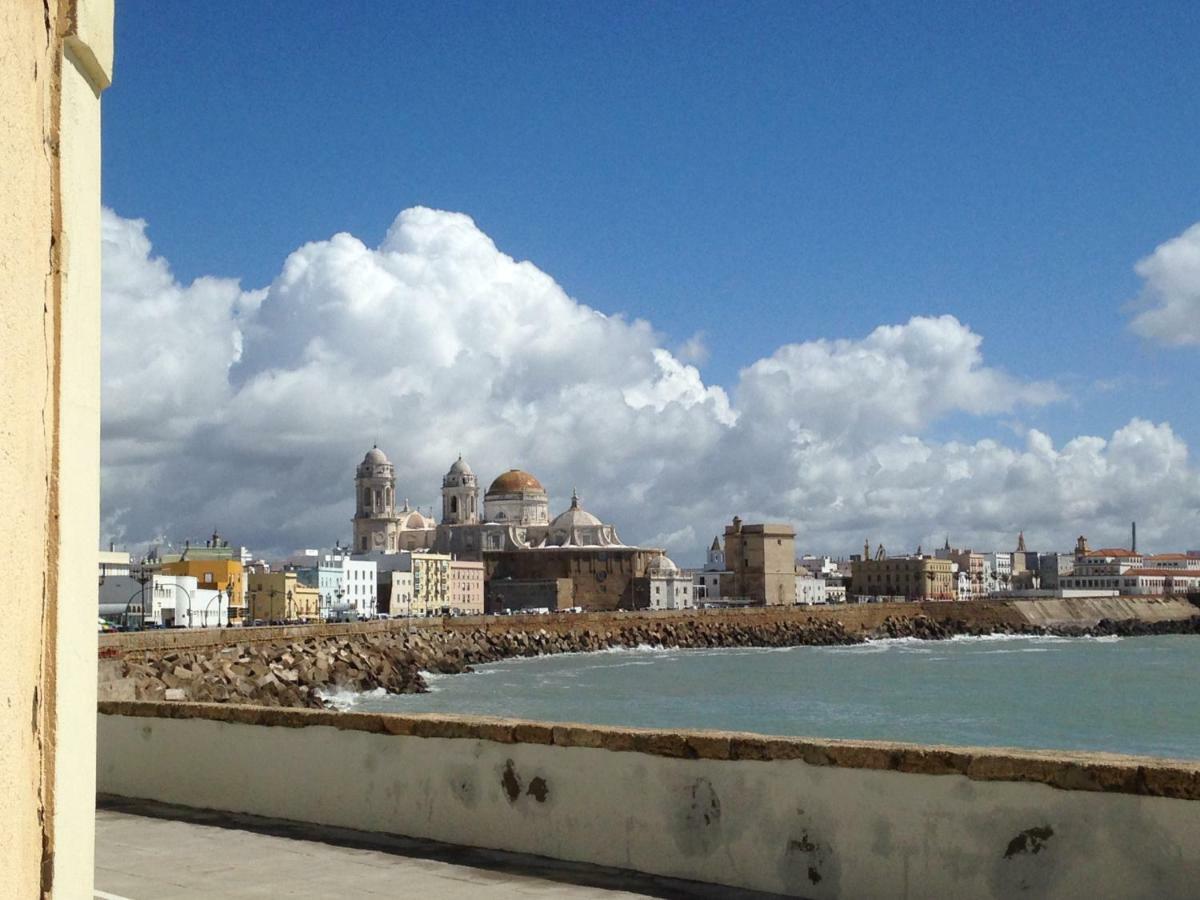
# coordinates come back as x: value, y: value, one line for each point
x: 55, y: 60
x: 909, y: 577
x: 972, y: 563
x: 431, y: 583
x: 279, y: 596
x: 466, y: 587
x: 760, y: 563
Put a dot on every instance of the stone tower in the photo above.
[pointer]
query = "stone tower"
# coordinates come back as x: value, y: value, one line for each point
x: 460, y: 495
x: 375, y: 503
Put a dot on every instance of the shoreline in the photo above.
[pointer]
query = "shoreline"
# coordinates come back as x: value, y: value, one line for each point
x: 262, y: 671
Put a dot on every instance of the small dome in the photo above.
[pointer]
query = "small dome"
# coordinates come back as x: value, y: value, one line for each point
x: 575, y: 517
x: 662, y: 565
x: 514, y: 481
x: 460, y: 468
x: 376, y: 457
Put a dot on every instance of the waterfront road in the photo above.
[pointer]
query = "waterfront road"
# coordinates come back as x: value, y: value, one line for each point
x: 149, y: 851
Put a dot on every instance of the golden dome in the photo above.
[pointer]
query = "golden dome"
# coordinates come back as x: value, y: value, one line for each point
x: 514, y: 481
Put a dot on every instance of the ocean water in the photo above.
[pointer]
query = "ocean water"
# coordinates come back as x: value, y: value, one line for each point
x: 1127, y: 695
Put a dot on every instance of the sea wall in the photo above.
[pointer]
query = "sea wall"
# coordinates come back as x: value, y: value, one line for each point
x: 294, y: 666
x: 818, y: 819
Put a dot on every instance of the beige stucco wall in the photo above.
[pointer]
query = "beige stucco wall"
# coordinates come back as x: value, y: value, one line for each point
x: 993, y: 825
x: 54, y: 60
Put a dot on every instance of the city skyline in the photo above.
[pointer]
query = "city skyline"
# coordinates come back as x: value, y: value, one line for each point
x: 972, y: 333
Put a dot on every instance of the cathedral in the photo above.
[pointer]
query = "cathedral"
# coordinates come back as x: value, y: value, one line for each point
x: 516, y: 515
x: 514, y: 535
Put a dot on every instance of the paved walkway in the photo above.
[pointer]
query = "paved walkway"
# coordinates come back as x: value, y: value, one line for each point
x: 148, y: 852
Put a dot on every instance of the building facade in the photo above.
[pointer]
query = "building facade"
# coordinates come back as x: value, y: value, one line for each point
x: 761, y: 564
x: 810, y: 589
x: 282, y: 597
x: 216, y: 567
x: 903, y: 577
x: 466, y: 588
x: 664, y: 587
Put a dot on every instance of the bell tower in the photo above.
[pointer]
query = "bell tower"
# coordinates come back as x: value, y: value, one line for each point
x: 374, y: 503
x: 460, y: 495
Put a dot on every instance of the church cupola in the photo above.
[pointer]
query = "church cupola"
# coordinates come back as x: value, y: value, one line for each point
x: 460, y: 495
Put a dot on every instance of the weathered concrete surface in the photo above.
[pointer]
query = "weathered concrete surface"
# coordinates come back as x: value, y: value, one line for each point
x: 1089, y: 612
x: 293, y: 666
x: 808, y: 818
x: 258, y: 858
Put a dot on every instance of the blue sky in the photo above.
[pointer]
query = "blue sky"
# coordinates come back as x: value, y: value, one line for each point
x: 760, y: 172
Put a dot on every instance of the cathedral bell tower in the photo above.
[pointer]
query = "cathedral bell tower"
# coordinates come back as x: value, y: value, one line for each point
x: 460, y: 495
x: 375, y: 503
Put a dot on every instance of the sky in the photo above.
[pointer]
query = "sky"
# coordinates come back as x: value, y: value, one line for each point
x: 884, y: 271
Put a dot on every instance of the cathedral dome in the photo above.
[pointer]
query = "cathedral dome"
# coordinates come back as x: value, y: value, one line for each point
x: 460, y: 468
x: 662, y: 565
x: 575, y: 517
x: 376, y: 457
x: 514, y: 481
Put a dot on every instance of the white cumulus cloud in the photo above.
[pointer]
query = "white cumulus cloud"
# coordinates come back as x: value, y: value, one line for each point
x: 248, y: 410
x: 1170, y: 298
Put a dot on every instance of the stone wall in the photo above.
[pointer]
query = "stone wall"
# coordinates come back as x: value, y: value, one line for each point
x: 820, y: 819
x: 297, y: 665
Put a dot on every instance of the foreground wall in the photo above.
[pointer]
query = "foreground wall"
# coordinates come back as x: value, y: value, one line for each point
x: 55, y: 59
x: 809, y: 818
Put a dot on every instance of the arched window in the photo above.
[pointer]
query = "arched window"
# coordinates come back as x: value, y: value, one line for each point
x: 453, y: 506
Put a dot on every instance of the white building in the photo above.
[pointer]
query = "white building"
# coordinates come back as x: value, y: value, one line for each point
x: 706, y: 583
x: 347, y: 585
x: 116, y: 562
x: 1172, y: 561
x: 199, y: 608
x: 820, y: 566
x: 997, y: 571
x: 810, y: 590
x: 154, y: 600
x: 963, y: 584
x: 669, y: 587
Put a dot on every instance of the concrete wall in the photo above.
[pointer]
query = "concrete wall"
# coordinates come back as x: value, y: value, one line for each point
x: 55, y: 58
x: 1089, y: 611
x: 810, y: 818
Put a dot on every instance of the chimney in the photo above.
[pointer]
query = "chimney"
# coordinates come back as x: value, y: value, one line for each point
x: 1134, y: 529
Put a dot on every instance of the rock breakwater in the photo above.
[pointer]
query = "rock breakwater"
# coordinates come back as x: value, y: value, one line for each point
x: 300, y: 672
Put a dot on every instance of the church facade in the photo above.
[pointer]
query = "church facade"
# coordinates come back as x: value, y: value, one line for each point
x: 513, y: 534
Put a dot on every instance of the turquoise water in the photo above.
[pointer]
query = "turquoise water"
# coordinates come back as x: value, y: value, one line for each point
x: 1128, y: 695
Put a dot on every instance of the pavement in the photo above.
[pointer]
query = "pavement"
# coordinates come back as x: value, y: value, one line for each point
x: 148, y: 851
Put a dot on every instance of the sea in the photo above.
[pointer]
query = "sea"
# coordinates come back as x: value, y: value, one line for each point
x: 1134, y: 695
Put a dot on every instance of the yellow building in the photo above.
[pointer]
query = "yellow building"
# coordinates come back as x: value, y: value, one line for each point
x: 431, y: 583
x: 217, y: 573
x: 280, y: 597
x: 910, y: 577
